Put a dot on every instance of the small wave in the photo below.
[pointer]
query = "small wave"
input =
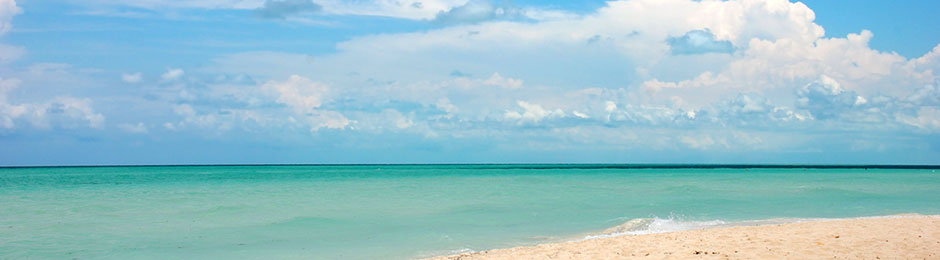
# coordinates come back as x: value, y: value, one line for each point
x: 641, y: 226
x: 462, y: 251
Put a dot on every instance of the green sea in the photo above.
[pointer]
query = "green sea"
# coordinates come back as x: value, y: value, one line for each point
x: 413, y: 211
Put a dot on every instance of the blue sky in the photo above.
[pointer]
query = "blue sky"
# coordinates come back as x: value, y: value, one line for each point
x: 458, y: 81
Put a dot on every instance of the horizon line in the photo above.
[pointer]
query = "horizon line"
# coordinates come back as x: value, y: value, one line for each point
x: 530, y: 165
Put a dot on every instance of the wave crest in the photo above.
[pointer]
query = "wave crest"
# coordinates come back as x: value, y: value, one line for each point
x: 640, y: 226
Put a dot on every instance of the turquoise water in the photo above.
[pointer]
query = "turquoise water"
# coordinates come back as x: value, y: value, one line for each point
x: 402, y: 212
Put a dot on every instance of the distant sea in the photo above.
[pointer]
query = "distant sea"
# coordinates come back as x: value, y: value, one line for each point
x: 411, y: 211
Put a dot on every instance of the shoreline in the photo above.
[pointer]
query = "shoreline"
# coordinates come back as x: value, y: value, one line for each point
x: 904, y: 236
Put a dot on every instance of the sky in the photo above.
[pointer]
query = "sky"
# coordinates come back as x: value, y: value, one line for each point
x: 95, y: 82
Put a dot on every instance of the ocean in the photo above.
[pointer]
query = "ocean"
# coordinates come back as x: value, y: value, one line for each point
x: 414, y: 211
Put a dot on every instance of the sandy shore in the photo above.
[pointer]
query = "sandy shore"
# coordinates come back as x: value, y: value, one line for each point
x: 900, y: 237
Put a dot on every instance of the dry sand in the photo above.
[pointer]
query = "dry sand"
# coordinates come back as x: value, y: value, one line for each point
x: 896, y: 237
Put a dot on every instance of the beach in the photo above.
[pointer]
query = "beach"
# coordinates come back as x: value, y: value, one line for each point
x: 892, y: 237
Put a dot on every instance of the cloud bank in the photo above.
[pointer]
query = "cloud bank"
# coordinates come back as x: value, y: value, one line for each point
x: 762, y: 65
x: 634, y: 75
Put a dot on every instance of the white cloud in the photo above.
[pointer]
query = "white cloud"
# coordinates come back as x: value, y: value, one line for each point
x: 7, y: 85
x: 299, y: 93
x: 705, y: 79
x: 133, y: 77
x: 406, y: 9
x: 217, y: 121
x: 533, y: 113
x: 859, y: 100
x: 703, y: 142
x: 61, y: 111
x: 761, y: 65
x: 9, y: 53
x: 926, y: 119
x: 825, y: 99
x: 76, y: 108
x: 498, y: 80
x: 580, y: 115
x: 445, y: 105
x: 8, y: 9
x: 172, y: 74
x: 698, y: 42
x: 401, y: 120
x: 304, y: 96
x: 9, y: 112
x: 723, y: 140
x: 928, y: 95
x: 329, y: 119
x: 295, y: 103
x: 610, y: 106
x: 138, y: 128
x: 477, y: 11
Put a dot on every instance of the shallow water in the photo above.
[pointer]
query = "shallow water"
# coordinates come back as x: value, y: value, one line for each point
x: 407, y: 211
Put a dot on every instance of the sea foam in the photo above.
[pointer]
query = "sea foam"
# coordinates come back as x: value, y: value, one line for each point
x: 641, y: 226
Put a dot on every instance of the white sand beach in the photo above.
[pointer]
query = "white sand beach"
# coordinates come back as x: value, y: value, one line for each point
x: 894, y: 237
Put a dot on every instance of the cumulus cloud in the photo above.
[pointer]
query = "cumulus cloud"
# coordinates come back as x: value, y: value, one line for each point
x: 9, y: 53
x: 299, y: 93
x: 9, y: 112
x: 296, y: 101
x: 928, y: 95
x: 408, y: 9
x: 825, y: 98
x: 698, y: 42
x: 444, y: 105
x: 751, y: 109
x: 8, y: 10
x: 659, y: 68
x: 172, y: 74
x: 280, y: 9
x: 475, y: 11
x: 138, y: 128
x: 926, y: 119
x: 132, y: 77
x: 61, y: 111
x: 75, y: 108
x: 499, y: 80
x: 304, y: 97
x: 533, y: 113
